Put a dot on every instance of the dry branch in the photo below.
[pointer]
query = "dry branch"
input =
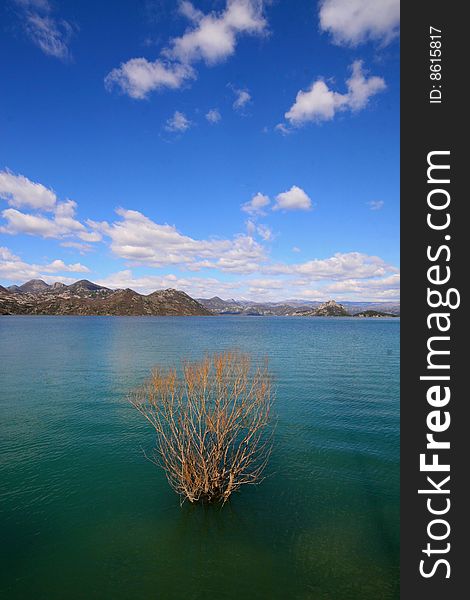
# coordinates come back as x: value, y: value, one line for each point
x: 212, y: 422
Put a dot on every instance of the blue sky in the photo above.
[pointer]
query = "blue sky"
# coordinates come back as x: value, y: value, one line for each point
x: 246, y: 149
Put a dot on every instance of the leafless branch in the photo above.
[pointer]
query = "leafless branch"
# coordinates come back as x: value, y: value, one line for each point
x: 212, y: 423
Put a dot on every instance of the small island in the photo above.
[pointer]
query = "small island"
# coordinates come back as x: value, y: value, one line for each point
x: 374, y: 314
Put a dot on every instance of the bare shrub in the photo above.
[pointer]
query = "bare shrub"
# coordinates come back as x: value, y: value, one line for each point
x: 212, y: 423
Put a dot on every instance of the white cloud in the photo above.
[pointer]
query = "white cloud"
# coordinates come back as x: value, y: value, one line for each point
x: 256, y: 205
x: 52, y: 35
x: 82, y: 247
x: 58, y: 266
x: 250, y: 227
x: 296, y: 249
x: 211, y: 38
x: 197, y: 287
x: 263, y: 289
x: 186, y: 9
x: 13, y: 268
x: 213, y: 115
x: 259, y: 288
x: 141, y: 241
x: 293, y: 199
x: 320, y: 103
x: 265, y: 232
x: 360, y: 88
x: 384, y: 288
x: 178, y: 122
x: 62, y: 224
x: 242, y: 98
x: 19, y: 191
x: 340, y: 266
x: 352, y: 22
x: 283, y: 129
x: 138, y: 77
x: 376, y: 204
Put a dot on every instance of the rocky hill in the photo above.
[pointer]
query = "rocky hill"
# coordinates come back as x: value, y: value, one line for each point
x: 34, y: 286
x: 84, y: 297
x: 243, y: 307
x: 326, y: 309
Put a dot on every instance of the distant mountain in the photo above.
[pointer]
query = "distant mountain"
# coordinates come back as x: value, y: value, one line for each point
x: 327, y: 309
x: 294, y: 307
x: 84, y: 287
x: 244, y: 307
x: 34, y: 286
x: 216, y: 304
x: 87, y: 298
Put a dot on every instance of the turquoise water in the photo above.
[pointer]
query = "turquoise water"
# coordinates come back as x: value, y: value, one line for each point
x: 83, y: 515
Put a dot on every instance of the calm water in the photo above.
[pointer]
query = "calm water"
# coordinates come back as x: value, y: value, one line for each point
x: 84, y: 516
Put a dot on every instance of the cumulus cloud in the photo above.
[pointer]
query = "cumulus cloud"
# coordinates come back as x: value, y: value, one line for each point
x: 352, y: 22
x: 13, y: 268
x: 142, y: 241
x: 293, y: 199
x: 384, y: 288
x: 211, y: 38
x: 213, y: 115
x: 178, y: 122
x: 376, y: 204
x: 58, y: 266
x: 340, y: 266
x: 62, y: 224
x: 138, y: 77
x: 242, y: 98
x: 19, y: 191
x: 257, y: 205
x: 52, y: 35
x: 264, y: 232
x: 320, y: 103
x: 361, y: 88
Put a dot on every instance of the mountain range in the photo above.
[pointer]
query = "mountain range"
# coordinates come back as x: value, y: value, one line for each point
x: 36, y: 297
x: 83, y: 297
x: 300, y: 308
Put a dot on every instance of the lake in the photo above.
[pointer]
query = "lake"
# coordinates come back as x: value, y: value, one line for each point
x: 83, y: 515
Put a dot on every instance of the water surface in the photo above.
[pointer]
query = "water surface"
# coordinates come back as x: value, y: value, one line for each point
x: 84, y: 516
